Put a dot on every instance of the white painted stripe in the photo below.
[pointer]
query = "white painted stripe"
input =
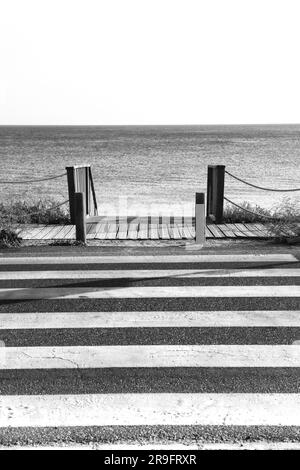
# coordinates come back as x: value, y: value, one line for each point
x: 246, y: 445
x: 100, y: 446
x: 149, y: 259
x: 148, y: 292
x: 148, y: 274
x: 200, y: 445
x: 70, y: 357
x: 150, y: 319
x: 173, y: 409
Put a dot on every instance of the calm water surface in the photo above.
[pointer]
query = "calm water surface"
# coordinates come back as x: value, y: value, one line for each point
x: 151, y: 169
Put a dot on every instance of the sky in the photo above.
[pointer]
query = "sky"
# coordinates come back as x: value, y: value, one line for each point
x: 105, y: 62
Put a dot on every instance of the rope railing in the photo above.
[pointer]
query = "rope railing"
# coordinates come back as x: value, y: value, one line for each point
x: 33, y: 181
x: 260, y: 187
x: 249, y: 211
x: 51, y: 208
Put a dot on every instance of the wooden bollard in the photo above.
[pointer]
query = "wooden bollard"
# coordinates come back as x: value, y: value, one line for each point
x: 200, y: 223
x: 80, y: 217
x: 71, y: 176
x: 215, y: 192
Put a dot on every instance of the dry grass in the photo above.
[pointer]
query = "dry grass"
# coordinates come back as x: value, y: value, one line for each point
x: 9, y: 238
x: 38, y: 212
x: 21, y: 212
x: 284, y: 225
x: 234, y: 215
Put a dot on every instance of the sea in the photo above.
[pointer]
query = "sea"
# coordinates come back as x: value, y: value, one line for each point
x: 151, y: 170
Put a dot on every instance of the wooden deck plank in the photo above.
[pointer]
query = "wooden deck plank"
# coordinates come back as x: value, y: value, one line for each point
x: 216, y: 231
x: 179, y: 227
x: 52, y: 232
x: 227, y: 230
x: 259, y: 233
x: 94, y: 229
x: 123, y: 230
x: 142, y: 228
x: 260, y: 226
x: 36, y: 233
x: 163, y: 231
x: 192, y: 231
x: 133, y: 230
x: 239, y: 233
x: 101, y: 231
x: 186, y: 232
x: 25, y: 229
x: 28, y: 232
x: 171, y: 231
x: 153, y: 231
x: 64, y: 232
x: 143, y: 231
x: 71, y: 235
x: 208, y: 233
x: 112, y: 231
x: 263, y: 229
x: 174, y: 232
x: 46, y: 234
x: 91, y: 230
x: 56, y: 234
x: 236, y: 231
x: 245, y: 230
x: 68, y: 233
x: 253, y: 230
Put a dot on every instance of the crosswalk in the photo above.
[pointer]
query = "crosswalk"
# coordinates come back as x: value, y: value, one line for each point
x: 127, y: 347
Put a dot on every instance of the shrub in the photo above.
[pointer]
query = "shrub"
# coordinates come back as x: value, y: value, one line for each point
x: 8, y: 238
x: 40, y: 212
x: 286, y: 223
x: 233, y: 214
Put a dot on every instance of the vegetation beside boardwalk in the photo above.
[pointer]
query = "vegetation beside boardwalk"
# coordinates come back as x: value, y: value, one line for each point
x: 38, y: 212
x: 9, y: 238
x: 22, y: 212
x: 286, y: 227
x: 282, y: 222
x: 235, y: 215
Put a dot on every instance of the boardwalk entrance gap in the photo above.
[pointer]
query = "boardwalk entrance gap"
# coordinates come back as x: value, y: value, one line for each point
x: 84, y: 209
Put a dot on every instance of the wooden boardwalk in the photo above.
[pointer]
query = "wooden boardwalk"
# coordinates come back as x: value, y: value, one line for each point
x: 142, y: 228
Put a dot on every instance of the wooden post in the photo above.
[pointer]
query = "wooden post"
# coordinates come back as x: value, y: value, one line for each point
x: 80, y: 180
x: 80, y: 217
x: 71, y: 191
x: 200, y: 223
x: 215, y: 192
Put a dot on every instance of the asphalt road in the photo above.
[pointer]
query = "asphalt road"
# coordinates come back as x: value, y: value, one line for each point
x: 150, y: 380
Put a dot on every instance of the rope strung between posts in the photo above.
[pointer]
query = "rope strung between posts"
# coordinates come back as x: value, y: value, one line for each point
x: 32, y: 181
x: 51, y: 208
x: 250, y: 212
x: 260, y: 187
